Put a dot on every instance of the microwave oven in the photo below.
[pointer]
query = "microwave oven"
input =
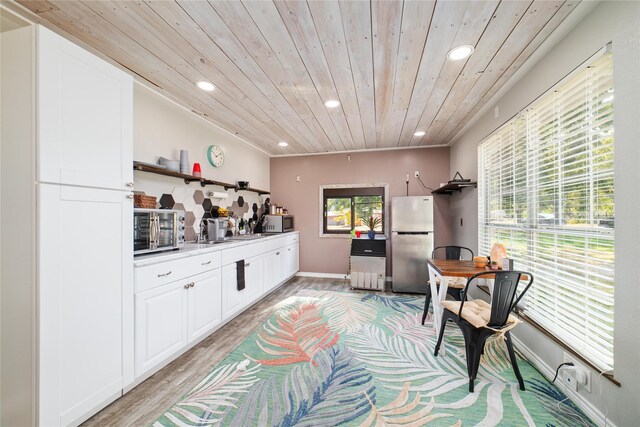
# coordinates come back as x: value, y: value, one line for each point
x: 156, y: 230
x: 278, y: 223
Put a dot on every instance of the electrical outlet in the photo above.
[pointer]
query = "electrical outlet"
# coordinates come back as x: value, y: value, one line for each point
x: 297, y: 178
x: 569, y: 380
x: 579, y: 372
x: 417, y: 173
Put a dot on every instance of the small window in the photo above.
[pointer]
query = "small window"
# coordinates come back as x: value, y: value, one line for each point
x: 346, y: 209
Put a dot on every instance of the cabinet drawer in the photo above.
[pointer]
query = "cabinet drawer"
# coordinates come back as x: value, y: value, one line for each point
x: 291, y: 239
x: 205, y: 262
x: 273, y: 244
x: 155, y: 275
x: 152, y: 276
x: 243, y: 252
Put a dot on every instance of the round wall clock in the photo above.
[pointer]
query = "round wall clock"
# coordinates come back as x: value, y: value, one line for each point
x: 215, y: 156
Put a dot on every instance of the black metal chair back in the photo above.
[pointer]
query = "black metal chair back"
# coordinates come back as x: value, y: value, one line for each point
x: 504, y: 293
x: 503, y: 300
x: 453, y: 252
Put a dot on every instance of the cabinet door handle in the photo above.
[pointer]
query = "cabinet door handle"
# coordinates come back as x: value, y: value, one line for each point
x: 277, y: 253
x: 129, y: 196
x: 187, y: 286
x: 130, y: 184
x: 289, y: 249
x: 247, y: 264
x: 192, y: 284
x: 206, y: 263
x: 164, y: 274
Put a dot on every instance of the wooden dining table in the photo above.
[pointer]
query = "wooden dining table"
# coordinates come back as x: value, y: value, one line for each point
x: 445, y: 269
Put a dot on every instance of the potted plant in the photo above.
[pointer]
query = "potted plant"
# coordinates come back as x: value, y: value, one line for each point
x: 372, y: 223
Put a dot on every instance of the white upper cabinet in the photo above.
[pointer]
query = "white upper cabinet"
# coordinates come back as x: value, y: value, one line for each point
x: 84, y: 116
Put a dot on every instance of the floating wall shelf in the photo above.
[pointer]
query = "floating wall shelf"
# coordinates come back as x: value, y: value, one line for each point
x: 454, y: 186
x: 144, y: 167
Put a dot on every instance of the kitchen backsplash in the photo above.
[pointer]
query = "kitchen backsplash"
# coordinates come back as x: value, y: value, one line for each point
x: 192, y: 198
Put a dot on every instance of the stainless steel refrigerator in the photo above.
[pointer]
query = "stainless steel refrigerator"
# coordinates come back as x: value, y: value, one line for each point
x: 412, y: 237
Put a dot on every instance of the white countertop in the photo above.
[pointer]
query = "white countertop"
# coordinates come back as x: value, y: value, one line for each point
x: 192, y: 249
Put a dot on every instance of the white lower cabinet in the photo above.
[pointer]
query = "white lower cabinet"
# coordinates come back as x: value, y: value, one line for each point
x: 205, y: 304
x: 291, y: 260
x: 254, y: 278
x: 171, y: 316
x: 269, y: 271
x: 232, y: 298
x: 161, y: 324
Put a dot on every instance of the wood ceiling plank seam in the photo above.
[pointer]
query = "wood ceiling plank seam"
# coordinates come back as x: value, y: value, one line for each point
x: 359, y: 68
x: 294, y: 67
x: 471, y: 84
x: 405, y: 90
x: 337, y: 57
x: 197, y: 36
x: 39, y: 6
x: 246, y: 38
x: 256, y: 78
x: 476, y: 19
x: 303, y: 38
x: 256, y: 74
x: 485, y: 85
x: 314, y: 97
x: 501, y: 26
x: 386, y: 25
x: 251, y: 94
x: 444, y: 26
x: 115, y: 48
x: 297, y: 98
x: 112, y: 13
x: 229, y: 68
x: 560, y: 14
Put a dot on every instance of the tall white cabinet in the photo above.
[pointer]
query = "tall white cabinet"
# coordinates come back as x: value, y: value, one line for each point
x: 85, y: 256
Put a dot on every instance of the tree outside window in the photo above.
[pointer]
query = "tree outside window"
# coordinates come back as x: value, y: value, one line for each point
x: 347, y: 209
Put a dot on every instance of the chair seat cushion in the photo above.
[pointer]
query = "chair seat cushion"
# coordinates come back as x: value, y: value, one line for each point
x: 453, y: 282
x: 477, y: 312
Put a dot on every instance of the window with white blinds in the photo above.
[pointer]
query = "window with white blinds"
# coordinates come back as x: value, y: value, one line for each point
x: 546, y: 192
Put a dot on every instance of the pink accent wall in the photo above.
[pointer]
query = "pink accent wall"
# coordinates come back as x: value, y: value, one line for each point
x: 331, y: 255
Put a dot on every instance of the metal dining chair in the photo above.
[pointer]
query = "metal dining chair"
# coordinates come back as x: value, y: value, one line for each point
x: 455, y: 286
x: 479, y: 320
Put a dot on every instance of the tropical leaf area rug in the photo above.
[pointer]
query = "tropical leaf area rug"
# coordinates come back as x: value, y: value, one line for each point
x: 356, y: 359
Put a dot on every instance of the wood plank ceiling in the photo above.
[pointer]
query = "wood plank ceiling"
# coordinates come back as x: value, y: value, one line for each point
x: 274, y: 64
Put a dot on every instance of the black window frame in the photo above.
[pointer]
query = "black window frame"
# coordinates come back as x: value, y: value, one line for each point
x: 351, y: 193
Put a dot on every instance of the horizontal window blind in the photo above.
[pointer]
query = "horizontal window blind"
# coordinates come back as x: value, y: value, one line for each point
x: 546, y: 192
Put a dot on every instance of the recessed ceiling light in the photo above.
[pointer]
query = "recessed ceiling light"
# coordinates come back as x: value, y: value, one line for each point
x: 460, y: 52
x: 283, y: 144
x: 420, y: 133
x: 208, y: 86
x: 332, y: 103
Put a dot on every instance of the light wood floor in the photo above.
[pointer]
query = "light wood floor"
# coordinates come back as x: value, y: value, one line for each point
x: 145, y: 403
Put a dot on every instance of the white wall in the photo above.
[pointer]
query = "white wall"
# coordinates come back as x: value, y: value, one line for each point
x: 618, y: 22
x: 162, y: 128
x: 17, y: 228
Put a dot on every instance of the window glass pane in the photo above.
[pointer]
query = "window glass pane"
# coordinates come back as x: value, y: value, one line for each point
x: 546, y: 191
x: 366, y: 207
x: 339, y: 214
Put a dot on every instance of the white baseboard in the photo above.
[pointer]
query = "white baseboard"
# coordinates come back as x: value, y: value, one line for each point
x: 594, y: 413
x: 325, y: 275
